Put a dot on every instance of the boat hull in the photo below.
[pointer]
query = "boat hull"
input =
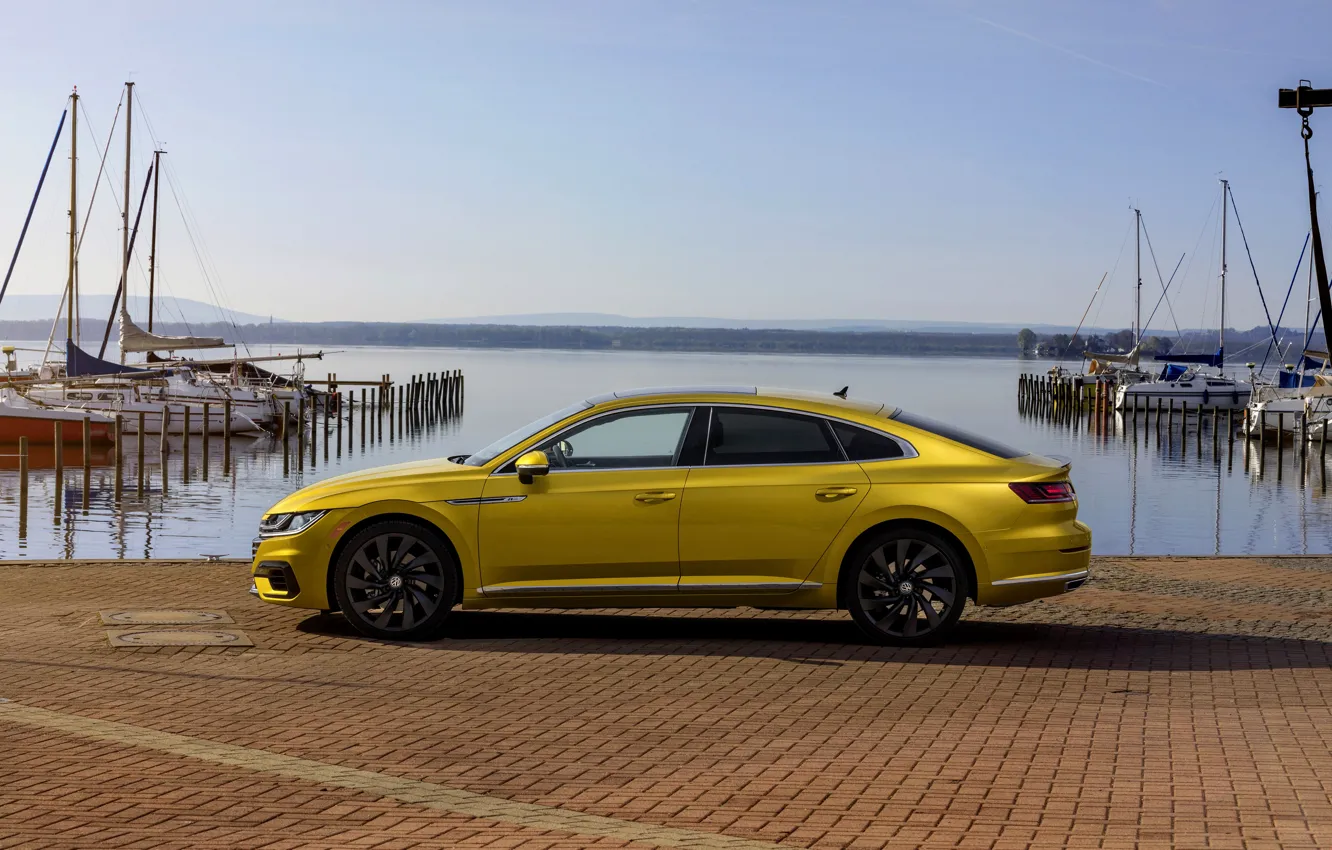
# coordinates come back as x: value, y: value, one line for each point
x: 39, y: 428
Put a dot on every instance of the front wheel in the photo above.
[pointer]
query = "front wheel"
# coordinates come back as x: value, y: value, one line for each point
x: 396, y: 581
x: 906, y: 587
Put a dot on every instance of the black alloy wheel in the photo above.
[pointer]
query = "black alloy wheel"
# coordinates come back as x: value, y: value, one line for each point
x: 396, y: 581
x: 906, y: 587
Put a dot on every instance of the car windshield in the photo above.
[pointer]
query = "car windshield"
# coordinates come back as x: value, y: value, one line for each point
x: 531, y: 429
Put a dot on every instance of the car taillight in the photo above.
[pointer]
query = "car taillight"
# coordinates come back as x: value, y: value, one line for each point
x: 1044, y: 492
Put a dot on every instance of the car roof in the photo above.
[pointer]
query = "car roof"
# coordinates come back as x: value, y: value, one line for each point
x: 757, y: 394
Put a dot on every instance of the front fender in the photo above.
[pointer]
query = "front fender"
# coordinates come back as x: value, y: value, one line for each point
x: 312, y: 554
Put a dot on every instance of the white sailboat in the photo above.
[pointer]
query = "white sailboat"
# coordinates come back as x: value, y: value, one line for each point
x: 1182, y: 381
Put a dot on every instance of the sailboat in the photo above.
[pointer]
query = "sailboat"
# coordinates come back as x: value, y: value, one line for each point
x: 159, y: 396
x: 19, y: 418
x: 1182, y: 381
x: 1116, y: 368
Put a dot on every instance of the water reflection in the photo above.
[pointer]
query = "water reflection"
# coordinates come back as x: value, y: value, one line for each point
x: 1146, y: 484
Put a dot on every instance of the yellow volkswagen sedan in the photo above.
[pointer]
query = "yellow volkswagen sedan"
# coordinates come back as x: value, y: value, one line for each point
x: 688, y: 497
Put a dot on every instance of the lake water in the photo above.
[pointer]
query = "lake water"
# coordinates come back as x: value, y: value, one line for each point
x: 1141, y: 494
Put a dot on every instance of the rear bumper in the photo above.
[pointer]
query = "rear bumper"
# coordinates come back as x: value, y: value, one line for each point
x: 1034, y: 567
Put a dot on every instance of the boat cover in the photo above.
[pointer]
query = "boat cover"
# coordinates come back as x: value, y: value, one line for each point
x: 79, y: 363
x: 1173, y: 372
x: 1292, y: 380
x: 1130, y: 357
x: 135, y: 338
x: 1216, y: 359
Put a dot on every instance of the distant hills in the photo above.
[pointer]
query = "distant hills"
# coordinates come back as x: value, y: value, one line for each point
x: 21, y: 307
x: 614, y: 320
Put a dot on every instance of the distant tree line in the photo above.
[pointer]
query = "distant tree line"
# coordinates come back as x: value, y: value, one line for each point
x: 1070, y: 346
x: 742, y: 340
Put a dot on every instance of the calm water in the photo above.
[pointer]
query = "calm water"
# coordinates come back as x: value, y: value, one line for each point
x: 1140, y: 494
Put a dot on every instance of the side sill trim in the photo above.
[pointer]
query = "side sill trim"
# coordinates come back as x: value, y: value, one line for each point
x: 1034, y: 579
x: 741, y: 586
x: 575, y: 589
x: 485, y: 500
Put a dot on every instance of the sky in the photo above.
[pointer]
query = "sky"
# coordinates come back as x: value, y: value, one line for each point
x: 940, y: 160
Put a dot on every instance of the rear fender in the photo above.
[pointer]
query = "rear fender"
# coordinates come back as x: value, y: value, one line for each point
x: 829, y: 569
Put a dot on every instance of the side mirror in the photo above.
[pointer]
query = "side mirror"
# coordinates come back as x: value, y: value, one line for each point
x: 531, y: 465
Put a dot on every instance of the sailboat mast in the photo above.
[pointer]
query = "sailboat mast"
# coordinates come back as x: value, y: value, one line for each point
x: 1225, y: 214
x: 125, y: 233
x: 73, y: 211
x: 1137, y: 294
x: 152, y: 253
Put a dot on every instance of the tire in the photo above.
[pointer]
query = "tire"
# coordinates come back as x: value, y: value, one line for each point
x: 411, y: 599
x: 905, y: 586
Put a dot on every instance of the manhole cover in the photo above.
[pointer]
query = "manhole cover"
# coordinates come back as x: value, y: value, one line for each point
x: 165, y: 617
x: 177, y: 637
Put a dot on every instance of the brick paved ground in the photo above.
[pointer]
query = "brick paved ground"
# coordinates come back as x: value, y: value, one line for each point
x: 1171, y: 703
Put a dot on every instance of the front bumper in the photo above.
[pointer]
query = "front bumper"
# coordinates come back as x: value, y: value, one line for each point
x: 293, y: 569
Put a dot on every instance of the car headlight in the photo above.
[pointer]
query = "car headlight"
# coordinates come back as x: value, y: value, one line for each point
x: 281, y: 525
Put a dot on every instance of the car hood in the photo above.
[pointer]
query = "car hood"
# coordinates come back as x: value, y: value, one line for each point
x: 399, y: 480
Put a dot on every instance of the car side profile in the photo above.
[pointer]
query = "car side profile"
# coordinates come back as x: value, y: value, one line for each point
x: 688, y: 497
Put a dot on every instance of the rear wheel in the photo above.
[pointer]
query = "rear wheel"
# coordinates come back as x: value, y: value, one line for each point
x: 906, y: 587
x: 397, y: 581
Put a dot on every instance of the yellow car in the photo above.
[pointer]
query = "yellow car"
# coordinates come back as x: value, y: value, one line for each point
x: 689, y: 497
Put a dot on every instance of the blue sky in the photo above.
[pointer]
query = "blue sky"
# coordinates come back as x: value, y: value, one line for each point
x: 967, y: 161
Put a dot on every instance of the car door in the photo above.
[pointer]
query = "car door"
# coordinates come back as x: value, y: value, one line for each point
x: 604, y: 520
x: 772, y: 493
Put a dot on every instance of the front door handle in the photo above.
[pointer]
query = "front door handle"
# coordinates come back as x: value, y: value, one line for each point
x: 834, y: 492
x: 659, y: 496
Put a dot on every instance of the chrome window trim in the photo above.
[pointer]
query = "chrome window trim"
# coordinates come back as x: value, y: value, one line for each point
x: 560, y: 433
x: 908, y: 450
x: 1073, y: 576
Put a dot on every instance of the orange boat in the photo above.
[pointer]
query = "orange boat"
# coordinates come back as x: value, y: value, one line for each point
x: 38, y: 424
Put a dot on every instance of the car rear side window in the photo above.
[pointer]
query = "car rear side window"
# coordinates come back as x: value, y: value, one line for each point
x: 864, y: 444
x: 739, y: 437
x: 957, y: 435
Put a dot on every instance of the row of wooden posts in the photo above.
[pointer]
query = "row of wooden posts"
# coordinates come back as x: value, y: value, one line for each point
x: 1063, y: 399
x: 421, y: 402
x: 424, y: 400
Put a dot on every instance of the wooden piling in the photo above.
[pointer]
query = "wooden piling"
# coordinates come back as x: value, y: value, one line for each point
x: 87, y: 461
x: 363, y: 418
x: 338, y: 396
x: 1322, y: 444
x: 120, y: 460
x: 351, y: 424
x: 163, y: 447
x: 300, y: 433
x: 1262, y: 436
x: 59, y: 469
x: 185, y: 445
x: 286, y: 438
x: 23, y: 485
x: 1281, y: 433
x: 1304, y: 437
x: 226, y: 437
x: 139, y: 453
x: 315, y: 403
x: 207, y: 423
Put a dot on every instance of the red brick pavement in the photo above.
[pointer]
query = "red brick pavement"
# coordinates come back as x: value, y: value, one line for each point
x: 1177, y: 707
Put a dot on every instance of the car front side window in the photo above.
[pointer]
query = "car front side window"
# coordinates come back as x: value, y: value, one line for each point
x: 635, y: 439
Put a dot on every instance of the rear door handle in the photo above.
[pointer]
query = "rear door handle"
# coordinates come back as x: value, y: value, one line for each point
x: 834, y: 492
x: 654, y: 497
